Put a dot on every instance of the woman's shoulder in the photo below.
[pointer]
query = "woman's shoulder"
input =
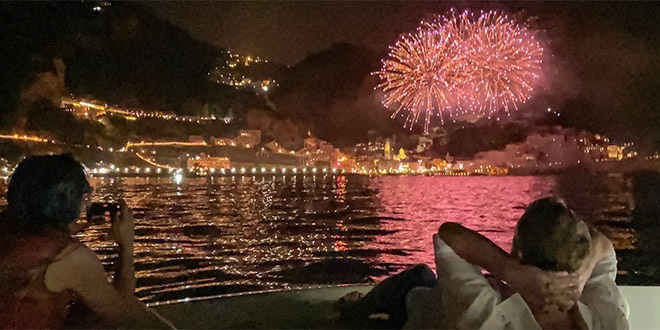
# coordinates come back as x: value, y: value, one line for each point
x: 75, y: 266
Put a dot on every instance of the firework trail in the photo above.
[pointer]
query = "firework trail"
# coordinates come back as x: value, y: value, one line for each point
x: 461, y: 64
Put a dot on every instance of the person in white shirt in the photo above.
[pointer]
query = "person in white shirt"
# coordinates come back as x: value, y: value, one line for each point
x: 560, y: 274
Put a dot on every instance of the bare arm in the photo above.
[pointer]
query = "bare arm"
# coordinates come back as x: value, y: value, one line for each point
x: 123, y: 232
x: 82, y: 272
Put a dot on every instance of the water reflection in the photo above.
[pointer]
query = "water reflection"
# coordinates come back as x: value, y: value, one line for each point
x: 207, y: 236
x: 414, y: 207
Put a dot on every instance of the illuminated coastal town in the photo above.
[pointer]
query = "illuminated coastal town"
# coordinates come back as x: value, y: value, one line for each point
x: 249, y: 154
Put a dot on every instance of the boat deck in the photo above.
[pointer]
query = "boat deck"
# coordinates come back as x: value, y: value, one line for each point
x: 314, y: 308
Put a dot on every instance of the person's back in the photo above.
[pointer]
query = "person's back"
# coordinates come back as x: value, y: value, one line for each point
x: 25, y: 303
x: 43, y: 269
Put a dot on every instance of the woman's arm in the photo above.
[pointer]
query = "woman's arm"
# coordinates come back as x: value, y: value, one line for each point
x: 123, y: 232
x: 82, y: 272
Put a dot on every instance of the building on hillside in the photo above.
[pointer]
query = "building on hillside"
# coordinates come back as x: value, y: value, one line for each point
x: 318, y: 151
x: 614, y: 152
x: 274, y: 146
x: 81, y: 108
x: 223, y: 141
x: 402, y: 155
x: 248, y: 138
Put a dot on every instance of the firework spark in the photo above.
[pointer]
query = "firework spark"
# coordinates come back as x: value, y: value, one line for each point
x: 461, y: 64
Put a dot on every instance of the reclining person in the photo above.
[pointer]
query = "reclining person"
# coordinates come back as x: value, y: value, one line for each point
x: 560, y: 274
x: 44, y: 269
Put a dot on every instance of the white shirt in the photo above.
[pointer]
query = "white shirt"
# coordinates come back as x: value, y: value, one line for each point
x: 463, y: 299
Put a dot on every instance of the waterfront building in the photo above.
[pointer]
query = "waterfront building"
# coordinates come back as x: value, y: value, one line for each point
x: 411, y: 166
x: 347, y: 164
x: 206, y: 163
x: 438, y: 165
x: 387, y: 165
x: 264, y: 161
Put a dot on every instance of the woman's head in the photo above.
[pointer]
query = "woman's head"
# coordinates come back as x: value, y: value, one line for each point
x: 46, y: 192
x: 551, y: 237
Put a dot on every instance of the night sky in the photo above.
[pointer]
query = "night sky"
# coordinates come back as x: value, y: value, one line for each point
x: 287, y: 31
x: 602, y: 58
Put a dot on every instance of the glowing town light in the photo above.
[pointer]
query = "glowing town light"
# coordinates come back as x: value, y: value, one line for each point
x: 254, y: 170
x: 325, y: 170
x: 304, y: 170
x: 263, y: 170
x: 273, y: 170
x: 158, y: 170
x: 314, y: 170
x: 103, y: 170
x: 233, y: 170
x: 283, y: 169
x: 125, y: 169
x: 242, y: 169
x: 295, y: 170
x: 178, y: 178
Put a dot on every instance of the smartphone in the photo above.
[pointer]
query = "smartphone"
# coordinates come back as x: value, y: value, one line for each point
x: 98, y: 212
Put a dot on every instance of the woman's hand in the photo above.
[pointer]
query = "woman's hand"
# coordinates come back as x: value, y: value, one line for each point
x: 123, y: 226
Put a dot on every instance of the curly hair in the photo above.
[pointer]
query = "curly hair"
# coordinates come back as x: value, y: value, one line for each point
x: 549, y: 236
x: 45, y: 192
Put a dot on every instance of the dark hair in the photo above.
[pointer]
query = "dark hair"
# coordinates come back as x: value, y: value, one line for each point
x: 547, y: 237
x: 45, y: 192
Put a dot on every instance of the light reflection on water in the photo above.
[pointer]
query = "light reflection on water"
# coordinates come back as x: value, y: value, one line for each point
x: 489, y: 205
x: 208, y: 236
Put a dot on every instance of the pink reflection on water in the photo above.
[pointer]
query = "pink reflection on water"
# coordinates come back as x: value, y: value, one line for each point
x: 489, y: 205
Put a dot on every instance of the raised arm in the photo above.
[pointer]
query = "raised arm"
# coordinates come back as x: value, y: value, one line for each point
x: 477, y: 249
x: 123, y: 232
x: 532, y: 283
